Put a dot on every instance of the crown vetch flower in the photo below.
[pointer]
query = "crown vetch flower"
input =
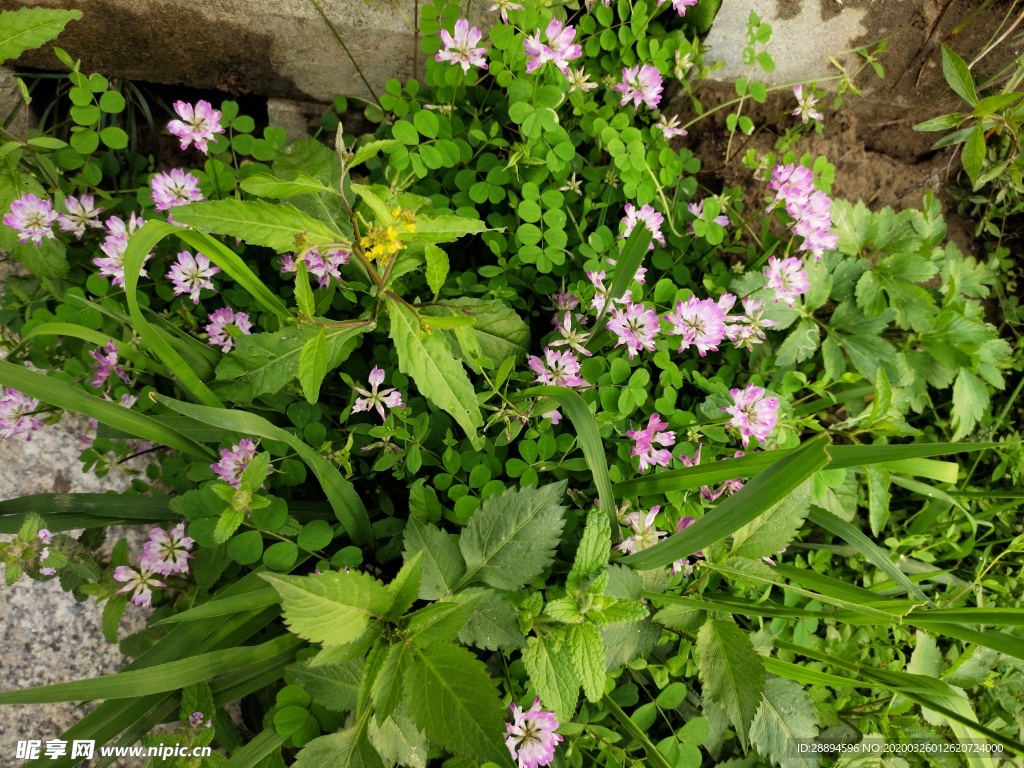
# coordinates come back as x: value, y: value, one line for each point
x: 16, y: 411
x: 173, y: 188
x: 233, y: 461
x: 461, y: 48
x: 390, y: 397
x: 106, y: 364
x: 167, y: 552
x: 32, y: 218
x: 805, y: 105
x: 747, y: 329
x: 560, y: 49
x: 701, y: 323
x: 115, y: 245
x: 82, y: 213
x: 198, y: 124
x: 636, y: 327
x: 753, y: 414
x: 640, y: 84
x: 561, y: 369
x: 322, y: 266
x: 579, y: 80
x: 218, y: 327
x: 645, y: 441
x: 650, y: 219
x: 573, y: 338
x: 669, y: 127
x: 531, y: 736
x: 503, y: 7
x: 191, y: 274
x: 681, y: 5
x: 788, y: 278
x: 684, y: 564
x: 645, y: 535
x: 140, y: 583
x: 810, y: 208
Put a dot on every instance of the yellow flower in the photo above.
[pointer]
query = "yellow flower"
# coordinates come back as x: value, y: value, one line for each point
x: 381, y: 243
x: 405, y: 217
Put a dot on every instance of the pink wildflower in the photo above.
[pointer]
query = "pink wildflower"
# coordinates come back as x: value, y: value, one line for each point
x: 669, y: 127
x: 198, y: 124
x: 640, y: 84
x: 805, y: 105
x: 636, y: 327
x: 701, y: 323
x: 322, y: 266
x: 728, y: 488
x: 559, y: 49
x: 809, y: 207
x: 753, y: 414
x: 32, y: 218
x: 650, y: 219
x: 503, y: 7
x: 788, y: 278
x: 645, y: 535
x: 140, y: 583
x: 562, y: 369
x: 680, y: 6
x: 167, y: 552
x: 220, y: 322
x: 573, y: 338
x: 234, y: 461
x: 645, y: 441
x: 106, y: 363
x: 82, y: 213
x: 684, y: 564
x: 462, y: 47
x: 191, y: 274
x: 174, y: 188
x: 747, y: 329
x: 114, y: 247
x: 16, y: 417
x: 531, y: 736
x: 391, y: 397
x: 579, y: 80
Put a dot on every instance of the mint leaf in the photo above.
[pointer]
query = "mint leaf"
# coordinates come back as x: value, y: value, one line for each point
x: 731, y: 673
x: 427, y: 358
x: 348, y: 749
x: 399, y: 741
x: 549, y: 665
x: 438, y: 622
x: 454, y: 702
x: 443, y: 565
x: 587, y: 652
x: 332, y: 608
x: 333, y: 686
x: 494, y: 624
x: 593, y: 552
x: 512, y: 537
x: 786, y: 716
x: 387, y: 688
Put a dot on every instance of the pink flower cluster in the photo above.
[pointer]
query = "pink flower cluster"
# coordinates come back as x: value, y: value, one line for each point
x: 680, y: 5
x: 559, y: 49
x: 375, y: 397
x: 646, y: 442
x: 753, y: 413
x: 531, y: 736
x: 640, y: 84
x: 198, y: 124
x: 16, y: 414
x: 233, y: 461
x: 323, y: 266
x: 788, y: 278
x: 114, y: 247
x: 82, y: 213
x: 218, y: 329
x: 174, y: 188
x: 705, y: 323
x: 166, y: 553
x: 106, y: 364
x: 636, y: 327
x: 191, y: 274
x: 805, y: 105
x: 645, y: 534
x: 810, y: 208
x: 461, y: 48
x: 561, y: 369
x: 650, y: 219
x: 32, y: 218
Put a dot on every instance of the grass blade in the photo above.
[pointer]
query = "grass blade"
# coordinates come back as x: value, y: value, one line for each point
x: 266, y: 742
x: 261, y: 598
x: 66, y: 511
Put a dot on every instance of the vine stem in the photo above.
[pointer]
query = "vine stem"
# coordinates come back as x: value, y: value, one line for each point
x: 341, y: 42
x: 626, y: 722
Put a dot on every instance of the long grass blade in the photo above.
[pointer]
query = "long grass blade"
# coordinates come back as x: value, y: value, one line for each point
x: 66, y: 511
x: 266, y: 742
x: 261, y: 598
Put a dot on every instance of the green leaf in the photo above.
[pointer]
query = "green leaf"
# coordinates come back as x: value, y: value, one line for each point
x: 313, y: 367
x: 437, y: 267
x: 438, y: 622
x: 774, y: 529
x: 263, y: 363
x: 405, y: 587
x: 785, y: 718
x: 731, y: 673
x: 398, y: 740
x: 445, y: 229
x: 49, y: 259
x: 388, y: 687
x: 348, y: 749
x: 114, y: 137
x: 512, y: 537
x: 495, y: 332
x: 878, y: 498
x: 593, y: 552
x: 970, y: 401
x: 973, y: 154
x: 332, y: 608
x: 443, y: 566
x: 454, y: 702
x: 28, y: 28
x: 427, y: 358
x: 759, y: 495
x: 279, y: 226
x: 265, y: 185
x: 333, y: 686
x: 494, y: 624
x: 958, y: 75
x: 371, y: 149
x: 586, y: 649
x: 549, y: 665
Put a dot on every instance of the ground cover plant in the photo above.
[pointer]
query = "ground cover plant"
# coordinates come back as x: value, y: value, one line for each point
x: 500, y: 436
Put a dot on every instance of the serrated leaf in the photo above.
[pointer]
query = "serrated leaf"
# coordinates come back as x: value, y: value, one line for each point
x: 785, y: 717
x: 437, y: 267
x: 494, y: 624
x: 313, y: 367
x: 405, y: 587
x: 586, y: 649
x: 275, y: 225
x: 333, y: 686
x: 388, y: 687
x: 348, y: 749
x: 593, y: 552
x: 731, y: 673
x: 427, y: 358
x: 801, y: 344
x: 331, y: 608
x: 615, y: 610
x: 28, y: 28
x: 443, y: 566
x: 773, y: 530
x: 454, y: 702
x: 399, y: 741
x: 512, y: 537
x: 970, y: 401
x: 878, y: 497
x: 371, y: 149
x: 564, y: 610
x: 551, y: 672
x: 438, y: 622
x: 855, y: 227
